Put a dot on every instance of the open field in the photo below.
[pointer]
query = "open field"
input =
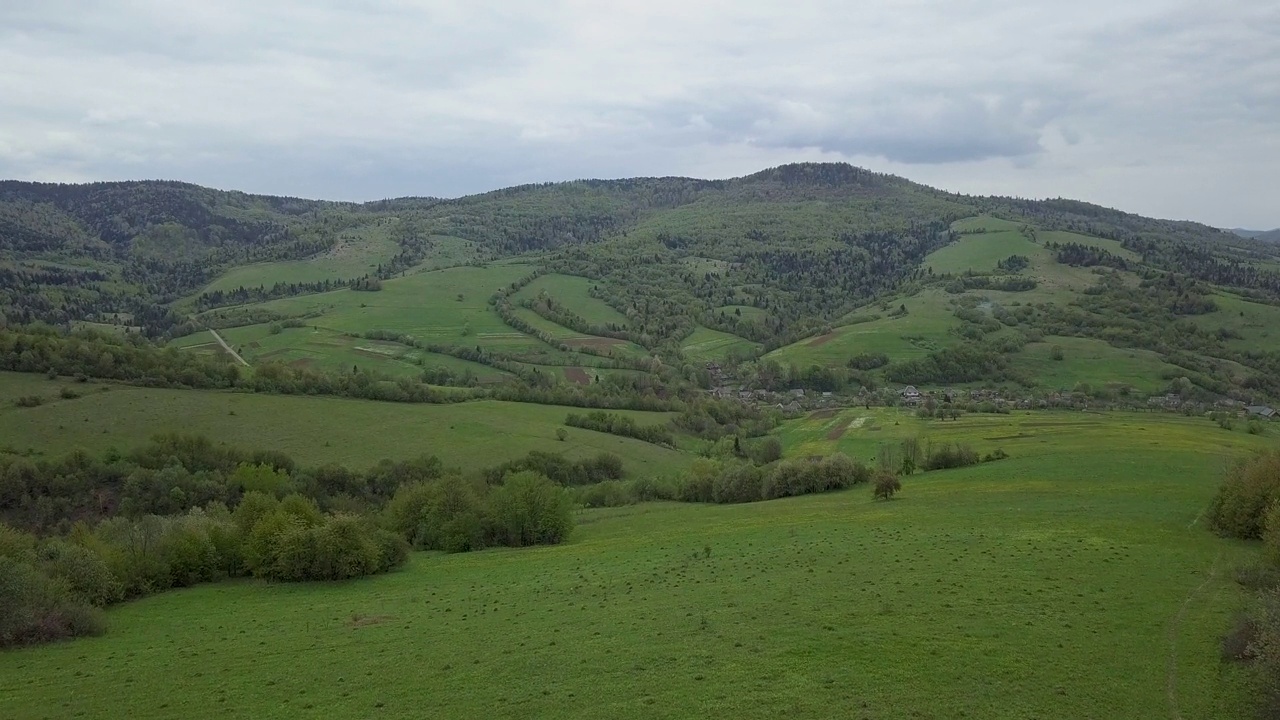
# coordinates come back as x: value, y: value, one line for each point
x: 445, y: 306
x: 1257, y: 325
x: 1073, y: 580
x: 984, y: 222
x: 1112, y: 246
x: 924, y: 329
x: 574, y: 293
x: 314, y: 430
x: 979, y: 253
x: 1086, y: 360
x: 359, y: 252
x: 705, y: 344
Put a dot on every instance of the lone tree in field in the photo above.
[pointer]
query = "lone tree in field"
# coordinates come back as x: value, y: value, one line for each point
x: 886, y: 485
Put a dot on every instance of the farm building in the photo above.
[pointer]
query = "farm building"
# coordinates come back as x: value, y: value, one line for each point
x: 1261, y: 411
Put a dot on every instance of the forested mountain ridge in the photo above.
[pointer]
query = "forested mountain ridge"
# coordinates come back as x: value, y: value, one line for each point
x: 756, y: 263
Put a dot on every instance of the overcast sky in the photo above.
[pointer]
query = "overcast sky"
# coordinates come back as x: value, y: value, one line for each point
x: 1159, y: 107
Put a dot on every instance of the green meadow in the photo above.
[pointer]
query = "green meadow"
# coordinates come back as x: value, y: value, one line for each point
x: 1072, y: 580
x: 574, y: 293
x: 314, y: 430
x: 705, y: 344
x: 1086, y: 360
x: 925, y: 328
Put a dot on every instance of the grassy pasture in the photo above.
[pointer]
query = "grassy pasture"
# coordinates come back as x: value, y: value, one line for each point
x: 425, y: 305
x: 358, y: 252
x: 1072, y: 580
x: 1258, y: 325
x: 924, y: 329
x: 984, y: 222
x: 705, y: 344
x: 1087, y: 360
x: 314, y: 430
x: 574, y: 293
x: 979, y: 253
x: 1112, y: 246
x: 746, y: 312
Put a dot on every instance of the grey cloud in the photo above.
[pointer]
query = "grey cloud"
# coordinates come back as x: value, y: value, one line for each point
x: 1113, y: 102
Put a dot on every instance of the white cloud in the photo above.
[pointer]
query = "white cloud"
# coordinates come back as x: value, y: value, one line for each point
x: 1163, y: 107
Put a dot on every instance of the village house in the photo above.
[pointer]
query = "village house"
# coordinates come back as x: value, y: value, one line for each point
x: 910, y: 395
x: 1261, y: 411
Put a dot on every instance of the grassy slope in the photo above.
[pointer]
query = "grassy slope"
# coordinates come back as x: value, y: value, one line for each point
x: 1257, y: 324
x: 1070, y: 581
x: 313, y: 430
x: 925, y: 328
x: 574, y: 293
x: 979, y: 253
x: 705, y: 344
x: 424, y: 305
x: 1086, y: 360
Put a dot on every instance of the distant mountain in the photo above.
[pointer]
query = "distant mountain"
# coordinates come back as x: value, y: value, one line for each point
x: 1263, y: 235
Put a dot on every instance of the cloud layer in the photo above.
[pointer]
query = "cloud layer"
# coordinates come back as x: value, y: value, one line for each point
x: 1160, y: 107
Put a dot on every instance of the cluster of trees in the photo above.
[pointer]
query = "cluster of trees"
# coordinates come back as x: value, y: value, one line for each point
x: 601, y: 467
x: 53, y: 587
x: 615, y: 424
x: 989, y: 282
x: 82, y: 532
x: 738, y: 482
x: 455, y: 514
x: 963, y: 363
x: 1247, y: 506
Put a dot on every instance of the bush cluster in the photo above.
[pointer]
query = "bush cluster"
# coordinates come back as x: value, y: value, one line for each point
x: 739, y: 482
x: 615, y: 424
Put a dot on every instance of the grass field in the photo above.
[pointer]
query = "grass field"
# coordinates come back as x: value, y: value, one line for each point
x: 746, y: 312
x: 1112, y: 246
x: 1073, y: 580
x: 425, y: 305
x: 1257, y: 325
x: 984, y: 222
x: 574, y: 293
x: 924, y: 329
x: 979, y: 253
x: 314, y: 430
x: 705, y: 344
x: 359, y: 252
x: 1086, y: 360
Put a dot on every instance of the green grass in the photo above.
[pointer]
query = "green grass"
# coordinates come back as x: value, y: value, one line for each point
x: 979, y: 253
x: 705, y: 344
x: 984, y: 222
x: 1258, y: 325
x: 1073, y: 580
x: 359, y: 252
x: 314, y: 430
x: 746, y: 312
x: 924, y: 329
x: 574, y: 293
x: 1086, y: 360
x: 1112, y: 246
x: 425, y: 305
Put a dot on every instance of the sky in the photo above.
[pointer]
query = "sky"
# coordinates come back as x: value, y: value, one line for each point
x: 1160, y: 107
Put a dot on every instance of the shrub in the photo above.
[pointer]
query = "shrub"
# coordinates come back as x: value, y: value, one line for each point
x: 886, y: 484
x: 610, y: 493
x: 87, y: 577
x: 948, y: 455
x: 68, y: 393
x: 29, y: 401
x: 1248, y: 491
x: 529, y: 509
x: 38, y: 608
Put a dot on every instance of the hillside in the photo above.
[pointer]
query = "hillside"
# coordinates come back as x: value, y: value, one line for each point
x: 1263, y: 235
x: 840, y: 278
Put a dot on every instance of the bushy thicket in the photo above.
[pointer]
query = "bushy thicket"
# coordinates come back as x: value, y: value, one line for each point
x: 455, y: 515
x: 1250, y: 490
x: 176, y: 473
x: 125, y: 526
x: 615, y: 424
x: 604, y: 466
x: 739, y: 482
x: 54, y: 588
x: 1248, y: 506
